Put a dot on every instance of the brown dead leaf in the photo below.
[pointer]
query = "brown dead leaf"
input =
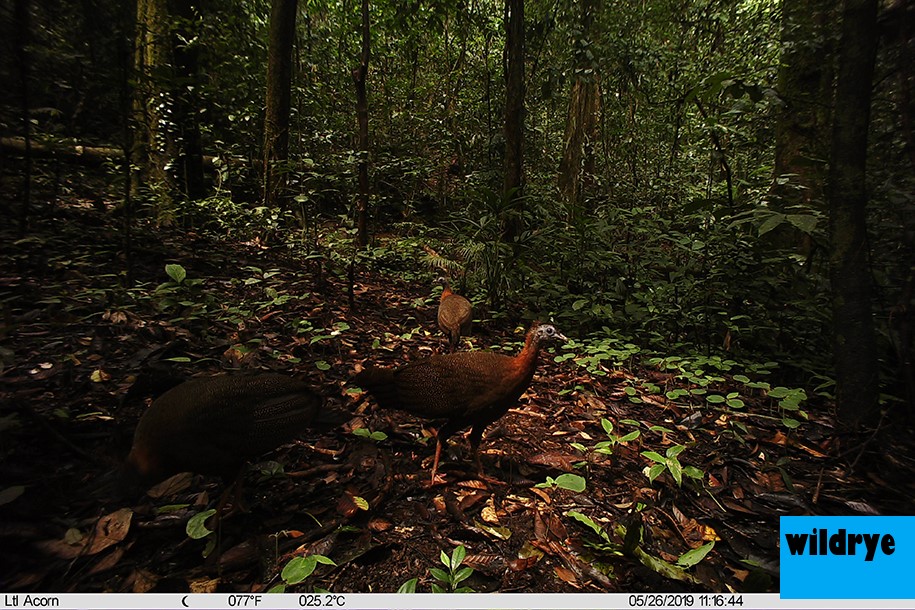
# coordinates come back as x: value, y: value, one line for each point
x: 542, y: 493
x: 740, y: 575
x: 471, y: 499
x: 519, y: 565
x: 488, y: 514
x: 778, y: 438
x: 377, y: 524
x: 203, y: 585
x: 171, y: 486
x: 347, y: 506
x: 548, y: 528
x: 109, y: 530
x: 566, y: 575
x: 560, y: 461
x: 144, y: 580
x: 473, y: 484
x: 242, y: 554
x: 709, y: 534
x: 108, y: 561
x: 772, y: 481
x: 488, y: 564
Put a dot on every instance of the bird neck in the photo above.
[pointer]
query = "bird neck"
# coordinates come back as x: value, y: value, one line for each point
x: 526, y: 361
x: 446, y: 292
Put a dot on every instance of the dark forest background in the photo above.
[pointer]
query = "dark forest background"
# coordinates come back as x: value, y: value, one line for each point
x: 721, y: 190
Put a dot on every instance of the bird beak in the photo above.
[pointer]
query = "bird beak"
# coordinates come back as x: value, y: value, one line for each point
x: 559, y: 335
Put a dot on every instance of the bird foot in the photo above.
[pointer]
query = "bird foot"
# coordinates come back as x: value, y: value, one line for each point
x: 437, y: 479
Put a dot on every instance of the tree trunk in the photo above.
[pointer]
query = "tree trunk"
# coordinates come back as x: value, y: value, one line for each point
x: 279, y: 100
x: 855, y: 352
x: 22, y: 29
x: 360, y: 73
x: 805, y: 85
x: 581, y: 123
x: 188, y: 148
x: 514, y: 118
x: 150, y: 99
x: 166, y: 142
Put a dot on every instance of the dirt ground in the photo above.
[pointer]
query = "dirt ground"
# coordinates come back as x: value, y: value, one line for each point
x: 82, y: 358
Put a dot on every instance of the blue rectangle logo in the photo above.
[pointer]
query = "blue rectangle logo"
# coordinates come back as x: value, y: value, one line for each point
x: 847, y: 557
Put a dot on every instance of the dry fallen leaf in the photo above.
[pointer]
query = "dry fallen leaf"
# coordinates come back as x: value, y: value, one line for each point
x: 488, y: 514
x: 144, y: 580
x: 204, y: 585
x: 566, y: 575
x: 109, y: 530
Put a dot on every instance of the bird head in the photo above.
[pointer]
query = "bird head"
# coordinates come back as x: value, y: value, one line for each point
x: 546, y: 333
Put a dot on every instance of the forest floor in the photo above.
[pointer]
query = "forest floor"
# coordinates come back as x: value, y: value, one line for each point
x: 81, y: 358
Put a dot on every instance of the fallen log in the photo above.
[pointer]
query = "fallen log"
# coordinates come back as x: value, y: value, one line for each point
x: 85, y: 155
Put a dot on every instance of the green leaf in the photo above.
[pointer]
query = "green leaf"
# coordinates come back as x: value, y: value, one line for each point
x: 715, y: 398
x: 779, y: 392
x: 674, y: 451
x: 176, y: 272
x: 322, y: 365
x: 742, y: 378
x: 735, y: 403
x: 280, y: 588
x: 11, y: 493
x: 378, y: 435
x: 550, y: 482
x: 196, y: 528
x: 325, y: 560
x: 462, y: 575
x: 607, y: 425
x: 660, y: 429
x: 655, y: 471
x: 587, y: 521
x: 694, y: 556
x: 577, y: 305
x: 693, y: 473
x: 361, y: 502
x: 676, y: 471
x: 440, y: 575
x: 630, y: 422
x: 630, y: 437
x: 772, y: 222
x: 409, y: 586
x: 803, y: 222
x: 457, y: 557
x: 298, y: 569
x: 572, y: 482
x: 790, y: 422
x: 655, y: 457
x: 443, y: 557
x: 436, y: 588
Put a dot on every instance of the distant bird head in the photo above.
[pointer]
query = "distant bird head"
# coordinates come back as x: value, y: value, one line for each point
x: 547, y: 333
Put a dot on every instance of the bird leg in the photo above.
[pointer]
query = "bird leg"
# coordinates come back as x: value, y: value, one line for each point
x: 476, y: 435
x: 438, y: 453
x: 441, y: 437
x: 237, y: 506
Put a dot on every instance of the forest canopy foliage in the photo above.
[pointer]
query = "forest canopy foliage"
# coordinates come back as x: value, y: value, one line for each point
x: 667, y: 199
